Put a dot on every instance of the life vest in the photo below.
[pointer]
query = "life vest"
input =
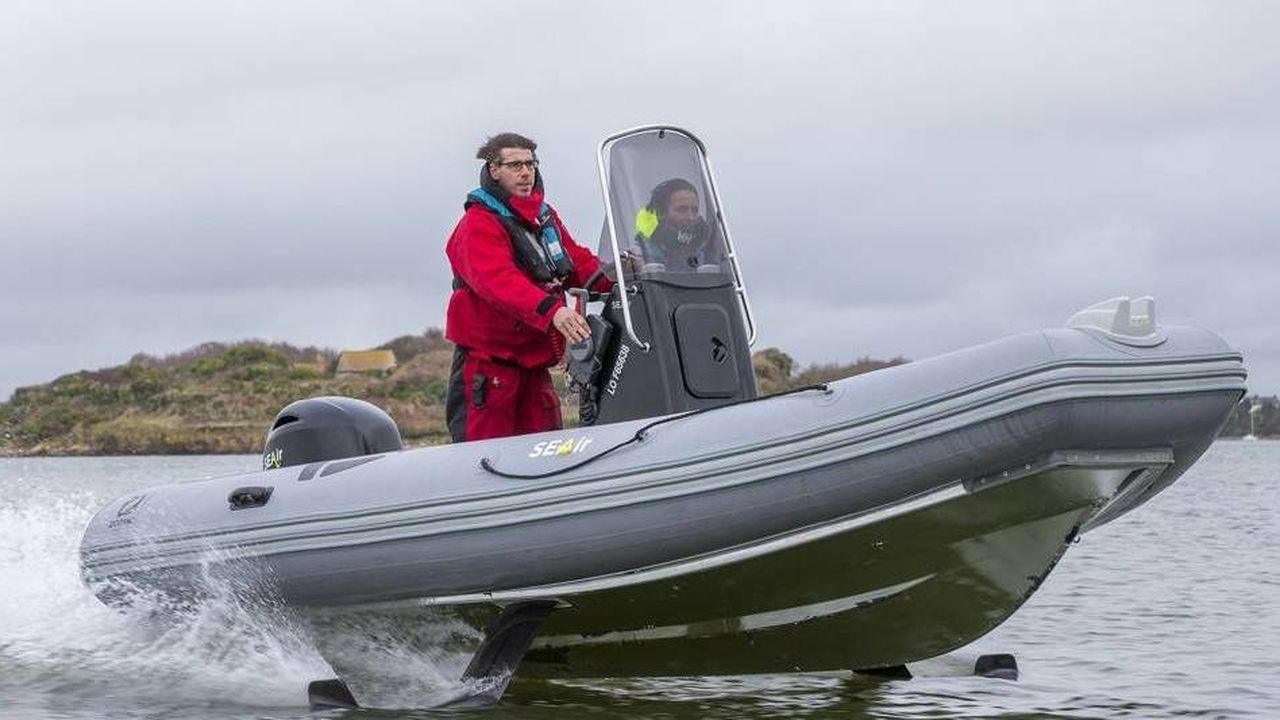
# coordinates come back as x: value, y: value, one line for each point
x: 661, y: 242
x: 538, y: 251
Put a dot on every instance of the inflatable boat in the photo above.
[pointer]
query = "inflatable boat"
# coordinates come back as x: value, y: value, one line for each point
x: 691, y: 526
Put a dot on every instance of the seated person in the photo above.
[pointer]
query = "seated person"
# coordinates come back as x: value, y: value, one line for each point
x: 669, y: 229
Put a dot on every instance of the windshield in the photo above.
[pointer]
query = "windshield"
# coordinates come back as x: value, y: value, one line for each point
x: 663, y: 210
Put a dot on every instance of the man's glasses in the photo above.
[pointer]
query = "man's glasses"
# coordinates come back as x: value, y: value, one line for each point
x: 518, y: 165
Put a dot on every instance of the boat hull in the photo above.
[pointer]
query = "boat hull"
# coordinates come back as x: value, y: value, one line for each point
x: 886, y: 592
x: 883, y: 520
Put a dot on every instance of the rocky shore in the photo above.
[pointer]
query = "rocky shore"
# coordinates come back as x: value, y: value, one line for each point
x: 221, y: 398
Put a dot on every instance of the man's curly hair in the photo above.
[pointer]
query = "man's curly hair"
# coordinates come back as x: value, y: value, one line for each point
x: 491, y: 150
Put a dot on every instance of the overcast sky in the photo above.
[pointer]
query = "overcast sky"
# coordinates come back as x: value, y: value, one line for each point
x: 901, y: 178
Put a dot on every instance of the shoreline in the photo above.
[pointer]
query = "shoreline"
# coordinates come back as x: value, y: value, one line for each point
x: 20, y: 455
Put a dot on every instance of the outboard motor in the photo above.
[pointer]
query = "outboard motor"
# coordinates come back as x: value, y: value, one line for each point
x: 328, y: 428
x: 676, y: 332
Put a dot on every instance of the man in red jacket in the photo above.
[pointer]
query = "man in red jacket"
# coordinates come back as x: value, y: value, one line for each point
x: 512, y: 258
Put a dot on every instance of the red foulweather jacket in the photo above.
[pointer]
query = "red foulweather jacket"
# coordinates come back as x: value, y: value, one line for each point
x: 497, y: 309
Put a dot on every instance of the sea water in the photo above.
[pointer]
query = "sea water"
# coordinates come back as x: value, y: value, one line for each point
x: 1171, y: 611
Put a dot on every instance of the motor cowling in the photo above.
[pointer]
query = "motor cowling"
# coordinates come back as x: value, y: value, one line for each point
x: 328, y: 428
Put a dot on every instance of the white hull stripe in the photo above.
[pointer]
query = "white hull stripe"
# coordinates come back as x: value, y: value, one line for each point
x: 692, y: 565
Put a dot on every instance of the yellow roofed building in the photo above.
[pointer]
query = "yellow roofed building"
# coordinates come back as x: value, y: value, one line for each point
x: 358, y: 361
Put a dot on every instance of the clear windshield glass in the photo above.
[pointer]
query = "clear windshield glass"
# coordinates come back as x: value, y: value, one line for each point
x: 663, y: 210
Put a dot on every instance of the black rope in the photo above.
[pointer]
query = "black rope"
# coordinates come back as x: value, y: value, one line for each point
x: 640, y: 434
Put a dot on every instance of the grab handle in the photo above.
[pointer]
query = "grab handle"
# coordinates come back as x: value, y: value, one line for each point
x: 249, y: 497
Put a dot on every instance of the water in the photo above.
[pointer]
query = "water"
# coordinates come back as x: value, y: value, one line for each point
x: 1170, y: 612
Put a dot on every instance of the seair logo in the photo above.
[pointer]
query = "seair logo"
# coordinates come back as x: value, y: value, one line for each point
x: 552, y: 448
x: 273, y: 460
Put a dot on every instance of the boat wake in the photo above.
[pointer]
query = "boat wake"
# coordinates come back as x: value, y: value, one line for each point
x: 59, y: 644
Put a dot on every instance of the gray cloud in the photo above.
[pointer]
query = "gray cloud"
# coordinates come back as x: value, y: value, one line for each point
x: 901, y: 177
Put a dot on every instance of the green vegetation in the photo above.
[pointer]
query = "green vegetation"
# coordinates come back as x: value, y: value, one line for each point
x: 221, y: 398
x: 776, y: 371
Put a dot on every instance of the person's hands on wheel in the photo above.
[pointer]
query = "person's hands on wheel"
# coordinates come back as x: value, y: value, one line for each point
x: 573, y: 326
x: 632, y: 261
